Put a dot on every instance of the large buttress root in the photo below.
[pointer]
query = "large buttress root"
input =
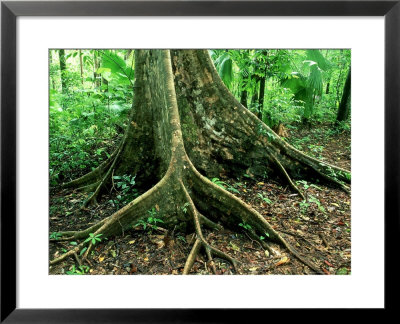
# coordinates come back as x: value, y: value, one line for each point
x: 221, y: 136
x: 173, y: 146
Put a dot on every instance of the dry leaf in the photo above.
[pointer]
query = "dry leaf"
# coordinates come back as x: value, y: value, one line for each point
x: 131, y: 242
x: 282, y: 261
x: 101, y: 259
x: 160, y: 244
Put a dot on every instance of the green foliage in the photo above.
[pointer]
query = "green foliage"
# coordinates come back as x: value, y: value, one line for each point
x: 263, y: 237
x: 300, y: 84
x: 93, y: 239
x: 114, y: 67
x: 224, y: 65
x: 316, y: 201
x: 304, y: 205
x: 55, y: 236
x: 180, y: 237
x: 86, y: 118
x: 81, y: 270
x: 126, y: 192
x: 245, y: 226
x: 151, y: 221
x: 224, y: 185
x: 265, y: 199
x: 184, y: 207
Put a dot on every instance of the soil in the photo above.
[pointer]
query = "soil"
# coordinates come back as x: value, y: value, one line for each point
x: 319, y: 229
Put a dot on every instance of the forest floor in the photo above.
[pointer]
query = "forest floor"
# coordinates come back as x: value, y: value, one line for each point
x: 319, y: 229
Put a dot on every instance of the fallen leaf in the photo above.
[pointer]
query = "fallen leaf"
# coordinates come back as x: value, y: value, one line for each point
x: 157, y: 207
x: 282, y: 261
x: 253, y: 269
x: 234, y: 247
x: 131, y: 242
x: 266, y: 253
x: 101, y: 259
x: 328, y: 263
x: 160, y: 244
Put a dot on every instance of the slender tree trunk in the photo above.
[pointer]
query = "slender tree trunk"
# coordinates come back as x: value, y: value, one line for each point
x: 81, y: 65
x: 186, y: 125
x: 344, y: 107
x: 261, y: 98
x: 52, y: 81
x: 96, y: 78
x: 243, y: 98
x: 63, y: 68
x: 254, y: 97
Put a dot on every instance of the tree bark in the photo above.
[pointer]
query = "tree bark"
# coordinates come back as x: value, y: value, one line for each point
x: 185, y: 125
x: 344, y: 107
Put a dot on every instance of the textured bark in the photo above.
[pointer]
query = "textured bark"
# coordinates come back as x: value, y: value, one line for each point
x: 186, y: 125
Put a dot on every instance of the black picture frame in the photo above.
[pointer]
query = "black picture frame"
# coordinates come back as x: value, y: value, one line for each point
x: 10, y: 10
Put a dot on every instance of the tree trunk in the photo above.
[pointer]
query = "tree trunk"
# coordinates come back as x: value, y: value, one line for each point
x: 81, y: 65
x: 63, y: 68
x: 254, y: 97
x: 243, y: 98
x: 96, y: 65
x: 185, y: 125
x: 344, y: 107
x: 261, y: 98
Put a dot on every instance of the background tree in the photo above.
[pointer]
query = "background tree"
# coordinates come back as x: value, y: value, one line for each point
x: 63, y: 68
x: 344, y: 107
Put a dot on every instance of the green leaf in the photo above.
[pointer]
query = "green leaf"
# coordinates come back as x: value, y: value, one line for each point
x: 83, y: 251
x: 342, y: 271
x: 102, y: 70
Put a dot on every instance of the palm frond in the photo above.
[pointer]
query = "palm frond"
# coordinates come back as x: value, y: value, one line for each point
x: 115, y: 64
x: 225, y: 68
x: 316, y: 56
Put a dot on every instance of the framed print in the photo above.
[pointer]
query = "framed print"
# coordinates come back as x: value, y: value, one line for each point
x: 224, y: 139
